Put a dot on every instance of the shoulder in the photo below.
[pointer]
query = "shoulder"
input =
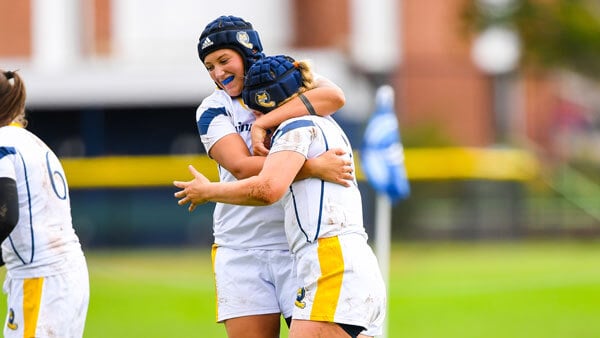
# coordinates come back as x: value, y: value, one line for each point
x: 218, y: 97
x: 10, y: 135
x: 305, y: 120
x: 297, y: 124
x: 221, y: 103
x: 217, y: 100
x: 19, y: 140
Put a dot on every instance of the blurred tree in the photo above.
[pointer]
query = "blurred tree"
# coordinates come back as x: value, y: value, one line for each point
x: 554, y: 33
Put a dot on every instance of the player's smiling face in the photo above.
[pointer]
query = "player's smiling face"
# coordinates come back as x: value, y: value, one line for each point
x: 226, y: 68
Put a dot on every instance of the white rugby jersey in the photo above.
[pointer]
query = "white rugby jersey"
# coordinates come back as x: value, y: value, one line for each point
x: 315, y: 208
x: 44, y: 236
x: 235, y: 226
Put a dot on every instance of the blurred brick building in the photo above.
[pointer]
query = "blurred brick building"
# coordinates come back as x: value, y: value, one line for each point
x: 438, y: 85
x: 437, y: 82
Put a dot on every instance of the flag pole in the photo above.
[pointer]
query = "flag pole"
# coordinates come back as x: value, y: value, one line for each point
x: 383, y: 227
x: 382, y: 158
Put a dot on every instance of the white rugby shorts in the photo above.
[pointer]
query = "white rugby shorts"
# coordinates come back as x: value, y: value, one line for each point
x: 253, y: 282
x: 341, y: 283
x: 53, y: 306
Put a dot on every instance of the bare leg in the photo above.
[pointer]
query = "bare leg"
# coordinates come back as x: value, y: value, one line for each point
x: 312, y: 329
x: 259, y: 326
x: 363, y: 336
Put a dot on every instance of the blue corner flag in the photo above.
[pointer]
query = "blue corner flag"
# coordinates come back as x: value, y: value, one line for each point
x: 382, y: 154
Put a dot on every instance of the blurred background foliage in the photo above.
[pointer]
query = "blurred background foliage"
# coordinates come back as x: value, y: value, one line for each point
x: 116, y: 89
x: 562, y: 34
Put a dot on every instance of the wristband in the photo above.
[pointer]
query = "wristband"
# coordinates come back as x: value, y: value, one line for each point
x: 307, y: 104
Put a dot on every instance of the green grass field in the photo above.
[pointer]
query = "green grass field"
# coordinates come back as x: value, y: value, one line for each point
x: 437, y: 290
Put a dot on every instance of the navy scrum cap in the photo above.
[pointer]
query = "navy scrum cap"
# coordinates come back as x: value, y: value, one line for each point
x: 270, y: 81
x: 231, y: 32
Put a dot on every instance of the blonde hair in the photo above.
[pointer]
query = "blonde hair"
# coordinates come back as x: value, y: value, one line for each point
x: 12, y: 98
x: 308, y: 79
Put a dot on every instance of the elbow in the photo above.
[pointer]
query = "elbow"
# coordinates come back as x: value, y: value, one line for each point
x: 272, y: 199
x: 339, y: 99
x: 240, y: 172
x: 267, y: 194
x: 8, y: 223
x: 263, y: 200
x: 335, y: 95
x: 9, y: 206
x: 266, y: 198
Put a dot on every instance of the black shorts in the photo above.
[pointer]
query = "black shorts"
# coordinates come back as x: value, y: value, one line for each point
x: 352, y: 330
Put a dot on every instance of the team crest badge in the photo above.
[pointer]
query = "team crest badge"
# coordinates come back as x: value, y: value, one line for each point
x: 263, y: 99
x: 243, y: 38
x: 11, y: 320
x: 300, y: 298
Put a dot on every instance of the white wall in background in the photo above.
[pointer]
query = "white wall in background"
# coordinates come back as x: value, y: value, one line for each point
x: 158, y: 31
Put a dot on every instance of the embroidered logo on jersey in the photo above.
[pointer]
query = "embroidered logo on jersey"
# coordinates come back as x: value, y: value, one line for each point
x: 207, y: 42
x: 243, y: 39
x: 11, y: 320
x: 299, y: 298
x: 263, y: 99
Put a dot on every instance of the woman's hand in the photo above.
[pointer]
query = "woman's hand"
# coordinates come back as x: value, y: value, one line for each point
x: 332, y: 166
x: 260, y: 141
x: 194, y: 191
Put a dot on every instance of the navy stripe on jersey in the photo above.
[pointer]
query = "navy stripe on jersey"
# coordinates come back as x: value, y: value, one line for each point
x: 324, y: 138
x: 207, y: 117
x: 300, y: 124
x: 290, y: 127
x: 30, y: 216
x: 322, y: 188
x: 318, y: 219
x: 4, y: 151
x: 297, y: 216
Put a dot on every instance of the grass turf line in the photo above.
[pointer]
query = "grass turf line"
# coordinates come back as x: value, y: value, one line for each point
x: 507, y: 289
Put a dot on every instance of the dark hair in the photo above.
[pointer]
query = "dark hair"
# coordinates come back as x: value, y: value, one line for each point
x: 231, y: 32
x: 12, y: 96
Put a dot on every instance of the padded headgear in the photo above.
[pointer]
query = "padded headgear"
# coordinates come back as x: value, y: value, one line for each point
x: 231, y: 32
x: 270, y: 81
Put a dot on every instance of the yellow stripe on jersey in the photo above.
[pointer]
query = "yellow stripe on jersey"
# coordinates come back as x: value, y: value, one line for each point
x: 32, y: 295
x: 213, y: 254
x: 329, y: 284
